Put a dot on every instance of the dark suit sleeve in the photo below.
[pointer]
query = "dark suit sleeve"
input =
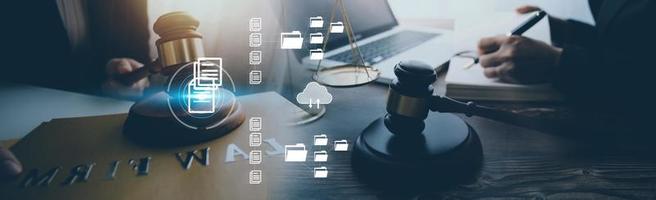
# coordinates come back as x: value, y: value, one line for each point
x: 118, y: 29
x: 615, y: 71
x: 575, y: 32
x: 569, y: 75
x: 571, y: 32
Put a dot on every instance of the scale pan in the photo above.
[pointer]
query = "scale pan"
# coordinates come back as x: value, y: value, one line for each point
x: 349, y: 75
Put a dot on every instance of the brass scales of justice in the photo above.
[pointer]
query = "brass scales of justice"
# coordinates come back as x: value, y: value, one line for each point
x: 353, y: 74
x: 349, y: 75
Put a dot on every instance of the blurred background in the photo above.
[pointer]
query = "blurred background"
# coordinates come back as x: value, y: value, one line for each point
x: 224, y: 25
x: 98, y: 31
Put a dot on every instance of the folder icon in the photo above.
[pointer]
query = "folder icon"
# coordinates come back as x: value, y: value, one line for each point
x: 341, y: 145
x: 320, y: 140
x: 316, y: 22
x: 337, y: 27
x: 316, y: 54
x: 316, y: 38
x: 295, y: 153
x: 320, y: 156
x: 291, y: 40
x: 320, y: 172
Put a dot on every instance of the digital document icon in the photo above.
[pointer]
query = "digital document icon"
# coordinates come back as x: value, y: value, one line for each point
x: 314, y: 94
x: 295, y: 153
x: 255, y: 177
x: 255, y: 57
x: 320, y: 172
x: 200, y: 100
x: 320, y: 140
x: 316, y: 54
x: 320, y: 156
x: 291, y: 40
x: 255, y: 157
x: 255, y: 24
x: 341, y: 145
x: 316, y: 22
x: 316, y: 38
x: 255, y: 40
x: 255, y: 77
x: 255, y: 139
x: 255, y: 124
x: 336, y: 27
x: 201, y: 89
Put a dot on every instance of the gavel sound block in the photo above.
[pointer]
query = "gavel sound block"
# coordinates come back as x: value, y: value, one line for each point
x: 410, y: 147
x: 150, y: 121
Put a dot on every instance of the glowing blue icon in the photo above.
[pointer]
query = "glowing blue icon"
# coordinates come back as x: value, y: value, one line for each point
x: 201, y: 90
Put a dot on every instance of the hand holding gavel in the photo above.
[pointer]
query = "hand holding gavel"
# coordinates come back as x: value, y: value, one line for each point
x: 179, y: 43
x: 9, y: 165
x: 117, y: 85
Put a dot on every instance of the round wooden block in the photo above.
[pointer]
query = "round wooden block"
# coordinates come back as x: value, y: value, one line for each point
x: 150, y: 122
x: 447, y: 152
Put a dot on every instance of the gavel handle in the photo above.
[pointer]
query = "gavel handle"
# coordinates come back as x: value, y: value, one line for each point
x: 138, y: 74
x: 446, y: 104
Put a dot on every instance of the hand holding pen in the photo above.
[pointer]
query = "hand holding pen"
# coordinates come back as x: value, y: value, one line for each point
x: 516, y: 59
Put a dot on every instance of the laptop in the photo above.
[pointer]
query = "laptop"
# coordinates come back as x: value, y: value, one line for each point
x: 381, y: 40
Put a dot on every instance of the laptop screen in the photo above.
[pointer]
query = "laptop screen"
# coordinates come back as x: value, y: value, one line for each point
x: 368, y: 17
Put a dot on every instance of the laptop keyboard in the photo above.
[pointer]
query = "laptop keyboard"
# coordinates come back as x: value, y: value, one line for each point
x: 386, y: 47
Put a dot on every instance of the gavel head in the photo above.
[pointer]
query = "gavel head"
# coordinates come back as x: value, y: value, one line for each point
x: 179, y: 42
x: 408, y: 100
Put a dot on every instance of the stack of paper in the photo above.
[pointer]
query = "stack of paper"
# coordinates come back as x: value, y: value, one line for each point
x: 471, y: 84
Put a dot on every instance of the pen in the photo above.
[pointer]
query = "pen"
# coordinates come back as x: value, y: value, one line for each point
x: 537, y: 16
x: 519, y: 30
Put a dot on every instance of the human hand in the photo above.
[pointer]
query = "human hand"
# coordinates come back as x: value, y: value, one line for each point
x: 114, y: 87
x: 527, y: 9
x: 517, y: 59
x: 9, y: 165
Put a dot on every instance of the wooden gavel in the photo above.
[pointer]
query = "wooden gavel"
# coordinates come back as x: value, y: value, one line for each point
x: 179, y: 43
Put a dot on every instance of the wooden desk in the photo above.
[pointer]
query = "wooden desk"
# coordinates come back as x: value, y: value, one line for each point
x: 518, y: 162
x: 24, y: 107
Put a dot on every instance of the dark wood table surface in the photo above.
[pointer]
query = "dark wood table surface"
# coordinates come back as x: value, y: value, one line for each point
x: 530, y: 159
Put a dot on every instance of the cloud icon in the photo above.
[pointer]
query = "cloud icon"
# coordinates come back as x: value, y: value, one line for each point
x: 313, y: 93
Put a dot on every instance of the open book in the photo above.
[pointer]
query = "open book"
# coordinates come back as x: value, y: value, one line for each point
x: 463, y: 82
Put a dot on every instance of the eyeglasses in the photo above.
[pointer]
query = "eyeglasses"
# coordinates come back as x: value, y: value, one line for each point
x: 468, y: 54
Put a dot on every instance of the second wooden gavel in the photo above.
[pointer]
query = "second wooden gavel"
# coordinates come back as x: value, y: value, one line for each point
x: 179, y: 43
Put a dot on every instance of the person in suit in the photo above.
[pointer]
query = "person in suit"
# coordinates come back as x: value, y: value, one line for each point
x: 602, y: 67
x: 74, y: 45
